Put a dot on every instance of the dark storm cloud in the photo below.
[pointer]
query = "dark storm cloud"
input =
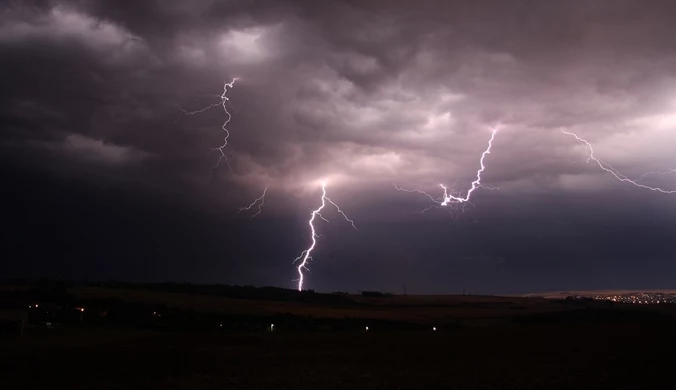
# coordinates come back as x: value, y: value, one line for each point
x: 354, y: 90
x: 364, y: 93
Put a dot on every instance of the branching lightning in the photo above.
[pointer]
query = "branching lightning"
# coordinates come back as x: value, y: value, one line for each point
x: 260, y: 201
x: 222, y: 103
x: 306, y: 256
x: 608, y: 168
x: 450, y: 196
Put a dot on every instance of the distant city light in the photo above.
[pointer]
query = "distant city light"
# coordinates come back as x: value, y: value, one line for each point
x: 639, y: 298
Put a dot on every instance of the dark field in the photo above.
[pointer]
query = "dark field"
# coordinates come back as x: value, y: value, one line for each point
x: 603, y: 356
x: 480, y: 343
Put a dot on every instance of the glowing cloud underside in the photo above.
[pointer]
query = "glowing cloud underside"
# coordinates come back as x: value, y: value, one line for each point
x: 306, y: 255
x: 608, y: 168
x: 222, y: 103
x: 451, y: 197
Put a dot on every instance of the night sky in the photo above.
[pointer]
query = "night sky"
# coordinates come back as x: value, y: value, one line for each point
x: 103, y: 178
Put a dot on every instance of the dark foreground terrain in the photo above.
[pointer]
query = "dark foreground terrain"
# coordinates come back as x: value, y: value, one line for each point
x: 574, y: 356
x: 521, y: 345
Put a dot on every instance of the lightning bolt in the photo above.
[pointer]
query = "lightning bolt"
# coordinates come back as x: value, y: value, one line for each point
x: 608, y: 168
x: 450, y: 196
x: 222, y: 103
x: 306, y: 255
x: 260, y: 201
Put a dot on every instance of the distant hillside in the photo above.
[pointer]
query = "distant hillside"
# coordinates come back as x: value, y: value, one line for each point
x: 187, y: 306
x: 421, y: 309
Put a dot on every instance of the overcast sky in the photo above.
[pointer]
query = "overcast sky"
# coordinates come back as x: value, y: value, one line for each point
x: 108, y: 180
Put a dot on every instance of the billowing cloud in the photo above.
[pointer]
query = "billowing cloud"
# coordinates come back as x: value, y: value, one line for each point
x: 378, y: 97
x: 363, y: 94
x: 98, y: 151
x: 66, y: 25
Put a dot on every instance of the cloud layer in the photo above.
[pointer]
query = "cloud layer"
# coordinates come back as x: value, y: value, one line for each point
x: 364, y: 94
x: 405, y: 95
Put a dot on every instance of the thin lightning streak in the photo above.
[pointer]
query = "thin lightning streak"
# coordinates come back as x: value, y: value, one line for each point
x: 451, y: 197
x: 323, y: 219
x: 260, y: 201
x: 224, y: 100
x: 306, y: 255
x: 435, y: 203
x: 657, y: 173
x: 341, y: 213
x: 608, y: 168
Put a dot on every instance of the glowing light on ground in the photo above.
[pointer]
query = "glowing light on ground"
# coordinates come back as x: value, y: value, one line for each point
x: 306, y: 256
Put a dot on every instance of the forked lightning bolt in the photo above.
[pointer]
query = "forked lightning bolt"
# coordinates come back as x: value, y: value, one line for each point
x: 450, y: 196
x: 223, y: 101
x: 608, y: 168
x: 306, y: 255
x: 260, y: 201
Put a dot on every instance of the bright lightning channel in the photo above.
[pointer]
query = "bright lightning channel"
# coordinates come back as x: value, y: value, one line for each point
x: 608, y: 168
x: 450, y: 196
x: 306, y: 256
x: 260, y: 201
x: 223, y: 101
